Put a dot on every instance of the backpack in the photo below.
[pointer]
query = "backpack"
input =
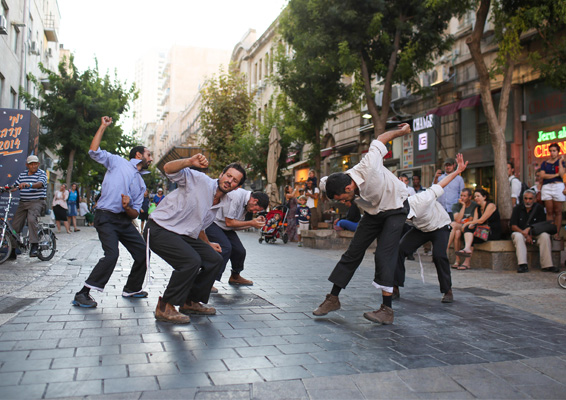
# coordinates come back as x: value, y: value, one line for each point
x: 523, y: 188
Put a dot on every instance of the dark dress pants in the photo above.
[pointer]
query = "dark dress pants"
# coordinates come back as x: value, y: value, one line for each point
x: 232, y: 248
x: 113, y: 229
x: 414, y: 239
x: 386, y: 227
x: 194, y: 261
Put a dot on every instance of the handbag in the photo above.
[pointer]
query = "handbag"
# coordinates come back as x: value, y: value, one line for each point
x: 482, y: 232
x: 543, y: 227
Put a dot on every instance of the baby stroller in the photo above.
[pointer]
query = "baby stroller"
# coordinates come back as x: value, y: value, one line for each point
x: 275, y: 226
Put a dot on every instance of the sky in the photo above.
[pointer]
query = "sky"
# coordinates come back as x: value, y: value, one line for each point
x: 118, y: 32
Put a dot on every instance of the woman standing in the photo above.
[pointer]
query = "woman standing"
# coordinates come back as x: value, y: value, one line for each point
x: 291, y: 195
x: 485, y: 213
x: 73, y: 206
x: 60, y: 208
x: 552, y: 195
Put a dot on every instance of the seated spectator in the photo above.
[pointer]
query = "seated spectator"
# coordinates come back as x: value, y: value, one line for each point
x: 524, y: 215
x: 486, y: 213
x: 463, y: 212
x: 84, y: 212
x: 353, y: 216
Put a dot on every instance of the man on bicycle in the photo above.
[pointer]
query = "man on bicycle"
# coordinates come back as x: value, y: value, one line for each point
x: 33, y: 187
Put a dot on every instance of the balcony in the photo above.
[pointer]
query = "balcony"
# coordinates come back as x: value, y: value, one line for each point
x: 50, y: 29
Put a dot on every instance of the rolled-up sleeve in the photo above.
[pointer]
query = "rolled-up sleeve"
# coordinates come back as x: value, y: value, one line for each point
x: 102, y: 157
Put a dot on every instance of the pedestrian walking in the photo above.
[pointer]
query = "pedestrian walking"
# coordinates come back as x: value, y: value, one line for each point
x: 73, y: 206
x: 119, y: 203
x: 60, y: 208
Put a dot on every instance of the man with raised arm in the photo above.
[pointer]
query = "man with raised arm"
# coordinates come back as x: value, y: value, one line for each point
x: 120, y: 201
x: 383, y: 198
x: 175, y: 232
x: 431, y: 223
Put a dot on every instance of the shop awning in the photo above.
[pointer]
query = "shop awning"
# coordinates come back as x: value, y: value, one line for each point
x: 455, y: 107
x: 326, y: 152
x: 295, y: 165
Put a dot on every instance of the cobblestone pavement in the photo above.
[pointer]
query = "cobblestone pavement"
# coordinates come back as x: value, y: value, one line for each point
x: 502, y: 338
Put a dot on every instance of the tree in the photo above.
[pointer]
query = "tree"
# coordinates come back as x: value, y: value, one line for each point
x: 253, y: 146
x: 511, y: 20
x: 311, y: 81
x: 389, y: 40
x: 225, y: 115
x: 72, y: 105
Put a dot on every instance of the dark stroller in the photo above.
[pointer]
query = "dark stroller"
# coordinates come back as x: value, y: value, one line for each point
x: 275, y: 226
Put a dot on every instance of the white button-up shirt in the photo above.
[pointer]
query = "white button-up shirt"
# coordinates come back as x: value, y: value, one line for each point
x: 428, y: 214
x: 380, y: 189
x: 234, y: 208
x: 188, y: 209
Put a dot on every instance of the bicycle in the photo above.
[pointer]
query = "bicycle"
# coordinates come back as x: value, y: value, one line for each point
x: 562, y: 279
x: 10, y: 240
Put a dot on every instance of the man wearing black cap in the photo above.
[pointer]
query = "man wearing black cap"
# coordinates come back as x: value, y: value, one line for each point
x: 32, y: 184
x: 452, y: 190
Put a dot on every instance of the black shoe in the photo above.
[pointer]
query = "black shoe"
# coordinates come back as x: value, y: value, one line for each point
x: 411, y: 257
x: 33, y: 250
x: 523, y: 268
x: 84, y: 300
x: 12, y: 255
x: 139, y: 294
x: 551, y: 269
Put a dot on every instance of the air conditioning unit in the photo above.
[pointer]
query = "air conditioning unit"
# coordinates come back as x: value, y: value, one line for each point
x: 3, y: 25
x: 379, y: 98
x: 441, y: 73
x: 33, y: 48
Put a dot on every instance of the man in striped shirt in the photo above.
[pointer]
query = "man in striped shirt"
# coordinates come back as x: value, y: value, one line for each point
x: 32, y: 184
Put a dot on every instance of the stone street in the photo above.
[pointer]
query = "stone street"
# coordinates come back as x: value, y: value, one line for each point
x: 503, y: 337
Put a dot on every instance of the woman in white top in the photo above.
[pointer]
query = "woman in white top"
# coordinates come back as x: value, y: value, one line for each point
x: 60, y: 208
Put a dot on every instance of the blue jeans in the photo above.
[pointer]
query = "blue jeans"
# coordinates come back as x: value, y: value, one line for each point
x: 347, y: 225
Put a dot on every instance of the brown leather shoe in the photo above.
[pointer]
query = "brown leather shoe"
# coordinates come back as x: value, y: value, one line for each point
x: 447, y: 297
x: 331, y: 303
x: 382, y: 316
x: 238, y: 280
x: 167, y: 313
x: 194, y: 307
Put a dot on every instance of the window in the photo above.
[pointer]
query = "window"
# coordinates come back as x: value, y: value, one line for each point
x: 15, y: 38
x: 266, y: 64
x: 13, y: 98
x: 260, y: 68
x: 255, y: 73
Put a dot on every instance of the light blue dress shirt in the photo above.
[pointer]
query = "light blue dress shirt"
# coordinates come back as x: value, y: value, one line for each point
x: 122, y: 177
x: 451, y: 192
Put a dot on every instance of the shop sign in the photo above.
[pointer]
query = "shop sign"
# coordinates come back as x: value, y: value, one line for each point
x: 550, y: 137
x: 424, y: 140
x: 425, y: 122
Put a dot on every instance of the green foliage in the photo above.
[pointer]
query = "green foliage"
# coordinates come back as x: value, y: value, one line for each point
x: 154, y: 180
x: 253, y: 146
x: 71, y: 110
x: 225, y: 116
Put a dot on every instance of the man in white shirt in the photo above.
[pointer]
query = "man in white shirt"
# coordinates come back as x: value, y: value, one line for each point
x: 175, y: 232
x: 230, y: 218
x: 383, y: 198
x: 312, y: 193
x: 431, y: 223
x: 515, y: 184
x: 405, y: 179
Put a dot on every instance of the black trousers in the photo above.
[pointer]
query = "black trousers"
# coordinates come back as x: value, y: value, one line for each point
x: 232, y: 248
x: 386, y: 227
x: 114, y: 229
x: 414, y: 239
x: 195, y: 264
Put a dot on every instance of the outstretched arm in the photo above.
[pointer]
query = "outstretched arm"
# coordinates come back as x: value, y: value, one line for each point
x: 104, y: 123
x: 385, y: 137
x: 198, y: 161
x: 461, y: 168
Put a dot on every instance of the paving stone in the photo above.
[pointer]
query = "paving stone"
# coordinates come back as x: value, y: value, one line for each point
x: 80, y: 342
x: 231, y: 377
x: 491, y: 388
x: 34, y: 391
x: 124, y: 359
x: 141, y: 348
x: 549, y: 390
x: 330, y: 369
x: 73, y: 389
x: 10, y: 378
x: 169, y: 394
x: 247, y: 363
x: 189, y: 367
x: 90, y: 361
x: 291, y: 359
x: 53, y: 353
x: 335, y: 394
x: 97, y: 351
x: 428, y: 380
x: 293, y: 389
x: 124, y: 385
x: 26, y: 365
x: 182, y: 381
x: 257, y: 351
x: 48, y: 376
x: 101, y: 372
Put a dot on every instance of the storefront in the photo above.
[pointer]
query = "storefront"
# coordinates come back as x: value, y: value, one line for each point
x: 545, y: 114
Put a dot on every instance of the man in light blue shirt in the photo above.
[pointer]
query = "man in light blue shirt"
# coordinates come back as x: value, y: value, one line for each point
x: 120, y: 201
x: 452, y: 190
x: 175, y: 232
